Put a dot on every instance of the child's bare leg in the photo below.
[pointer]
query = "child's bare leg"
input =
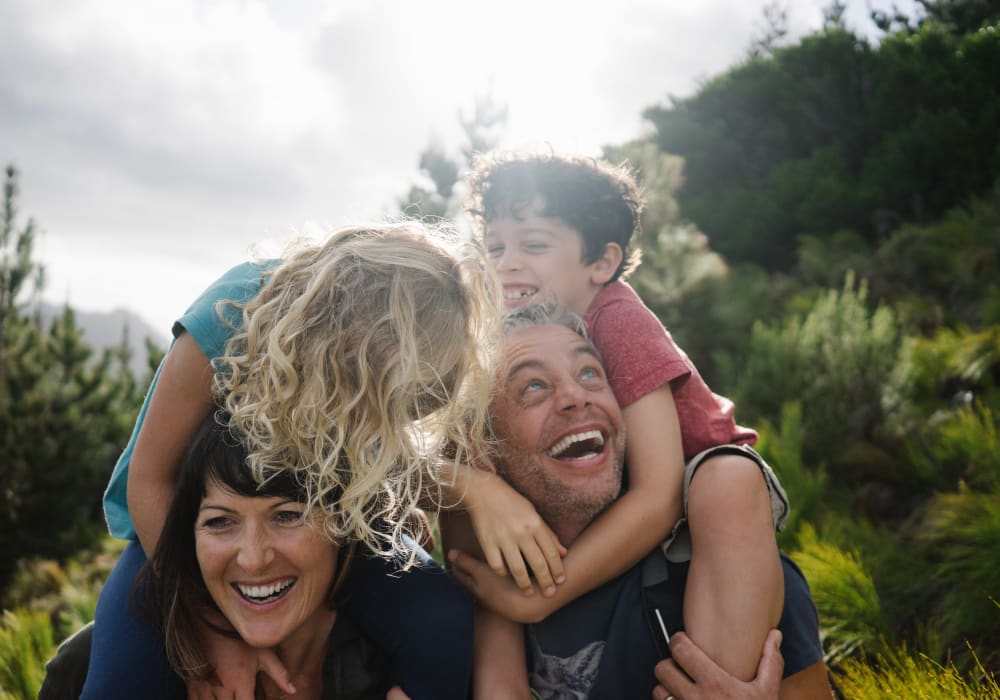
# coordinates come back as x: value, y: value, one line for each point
x: 499, y: 664
x: 735, y: 588
x: 500, y: 667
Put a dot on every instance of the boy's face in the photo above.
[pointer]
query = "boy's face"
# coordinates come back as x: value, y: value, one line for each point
x: 539, y: 258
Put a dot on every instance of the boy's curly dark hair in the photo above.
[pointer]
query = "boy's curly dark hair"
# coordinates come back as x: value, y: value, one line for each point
x: 598, y: 199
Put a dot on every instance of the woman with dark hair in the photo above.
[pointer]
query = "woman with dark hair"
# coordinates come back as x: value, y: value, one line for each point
x: 250, y: 561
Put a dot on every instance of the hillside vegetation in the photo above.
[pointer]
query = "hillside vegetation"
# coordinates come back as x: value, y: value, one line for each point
x: 822, y: 237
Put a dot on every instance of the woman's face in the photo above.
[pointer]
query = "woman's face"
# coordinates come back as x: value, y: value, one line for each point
x: 265, y: 567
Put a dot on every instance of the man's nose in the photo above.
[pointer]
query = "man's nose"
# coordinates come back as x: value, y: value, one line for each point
x: 256, y: 550
x: 572, y: 396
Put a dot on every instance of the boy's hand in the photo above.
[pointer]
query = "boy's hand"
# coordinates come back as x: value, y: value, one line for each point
x: 236, y: 665
x: 512, y: 535
x: 496, y: 592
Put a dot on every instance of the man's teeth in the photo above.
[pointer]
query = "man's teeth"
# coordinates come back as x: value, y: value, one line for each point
x: 259, y: 593
x: 569, y: 440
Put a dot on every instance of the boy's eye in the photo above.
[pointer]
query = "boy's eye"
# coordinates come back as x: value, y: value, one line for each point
x: 535, y: 246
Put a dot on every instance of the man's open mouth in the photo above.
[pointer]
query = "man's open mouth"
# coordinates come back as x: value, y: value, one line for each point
x: 266, y: 593
x: 589, y: 443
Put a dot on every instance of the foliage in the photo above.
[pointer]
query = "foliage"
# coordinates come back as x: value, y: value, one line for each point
x: 848, y: 604
x: 835, y: 361
x: 899, y: 674
x: 64, y: 416
x: 809, y: 489
x: 961, y: 531
x: 437, y: 198
x: 834, y: 134
x: 25, y: 645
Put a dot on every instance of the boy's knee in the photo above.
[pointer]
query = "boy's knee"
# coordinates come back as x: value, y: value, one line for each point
x: 725, y: 485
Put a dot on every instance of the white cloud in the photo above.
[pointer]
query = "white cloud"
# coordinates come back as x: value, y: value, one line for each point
x: 157, y: 139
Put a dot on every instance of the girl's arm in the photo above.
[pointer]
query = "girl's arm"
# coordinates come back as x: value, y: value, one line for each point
x: 634, y: 524
x: 509, y: 532
x: 181, y: 399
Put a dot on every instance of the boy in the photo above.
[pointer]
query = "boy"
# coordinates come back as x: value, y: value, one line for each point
x: 561, y: 228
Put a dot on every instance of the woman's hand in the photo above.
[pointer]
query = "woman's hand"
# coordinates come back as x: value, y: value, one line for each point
x: 236, y: 666
x: 498, y: 593
x: 512, y: 535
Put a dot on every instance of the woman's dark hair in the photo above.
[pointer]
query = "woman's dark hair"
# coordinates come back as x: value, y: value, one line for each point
x: 170, y: 589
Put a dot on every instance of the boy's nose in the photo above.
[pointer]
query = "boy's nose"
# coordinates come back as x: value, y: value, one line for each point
x: 509, y: 261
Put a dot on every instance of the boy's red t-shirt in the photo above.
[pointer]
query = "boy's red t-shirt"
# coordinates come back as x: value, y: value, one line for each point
x: 640, y: 356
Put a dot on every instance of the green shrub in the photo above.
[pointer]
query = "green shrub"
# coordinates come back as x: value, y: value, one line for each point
x: 25, y: 645
x: 809, y: 490
x: 901, y: 675
x: 962, y: 535
x: 836, y: 361
x: 850, y: 614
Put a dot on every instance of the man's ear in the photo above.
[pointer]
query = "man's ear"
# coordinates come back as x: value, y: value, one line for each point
x: 603, y: 269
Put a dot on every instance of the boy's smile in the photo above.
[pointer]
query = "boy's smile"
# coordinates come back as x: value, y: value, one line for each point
x: 540, y: 258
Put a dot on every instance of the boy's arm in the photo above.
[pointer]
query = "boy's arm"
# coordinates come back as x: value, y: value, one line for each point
x: 634, y: 524
x: 509, y: 533
x: 181, y: 399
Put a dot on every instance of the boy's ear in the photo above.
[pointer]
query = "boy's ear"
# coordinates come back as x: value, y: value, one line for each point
x: 603, y: 269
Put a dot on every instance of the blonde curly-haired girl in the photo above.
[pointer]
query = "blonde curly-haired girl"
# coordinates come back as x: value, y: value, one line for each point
x: 350, y: 363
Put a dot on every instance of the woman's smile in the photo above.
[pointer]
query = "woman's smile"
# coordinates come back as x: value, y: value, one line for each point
x: 266, y: 566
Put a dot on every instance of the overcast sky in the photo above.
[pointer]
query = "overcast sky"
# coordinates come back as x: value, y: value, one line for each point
x: 158, y: 139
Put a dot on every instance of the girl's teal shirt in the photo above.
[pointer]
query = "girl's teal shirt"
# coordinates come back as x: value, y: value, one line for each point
x: 211, y: 324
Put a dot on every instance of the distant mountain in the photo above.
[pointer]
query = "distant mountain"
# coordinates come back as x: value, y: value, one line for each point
x: 104, y: 330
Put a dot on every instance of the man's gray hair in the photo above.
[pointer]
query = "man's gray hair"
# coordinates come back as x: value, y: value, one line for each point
x: 548, y: 313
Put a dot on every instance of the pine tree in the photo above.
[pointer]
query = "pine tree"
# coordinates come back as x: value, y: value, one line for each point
x: 64, y: 413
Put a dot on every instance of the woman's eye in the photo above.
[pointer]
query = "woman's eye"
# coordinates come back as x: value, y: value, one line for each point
x: 289, y: 517
x: 534, y: 385
x: 494, y: 251
x: 218, y: 522
x: 535, y: 246
x: 590, y: 373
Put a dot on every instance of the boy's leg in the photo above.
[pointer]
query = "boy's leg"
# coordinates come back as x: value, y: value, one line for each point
x: 421, y: 617
x: 127, y: 659
x: 735, y: 588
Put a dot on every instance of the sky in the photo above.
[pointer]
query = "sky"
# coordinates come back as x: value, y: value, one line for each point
x: 159, y: 142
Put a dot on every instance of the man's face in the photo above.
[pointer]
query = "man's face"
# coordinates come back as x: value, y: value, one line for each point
x: 562, y: 440
x: 540, y: 258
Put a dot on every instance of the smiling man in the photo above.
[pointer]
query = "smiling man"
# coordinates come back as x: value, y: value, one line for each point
x: 561, y: 443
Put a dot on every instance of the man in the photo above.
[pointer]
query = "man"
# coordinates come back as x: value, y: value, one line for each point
x: 561, y: 444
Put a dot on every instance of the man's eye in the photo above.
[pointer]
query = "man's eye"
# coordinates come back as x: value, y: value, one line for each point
x: 534, y: 386
x: 591, y: 374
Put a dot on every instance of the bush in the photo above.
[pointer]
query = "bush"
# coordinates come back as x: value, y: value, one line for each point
x: 849, y: 610
x: 836, y: 361
x: 901, y: 675
x: 25, y: 645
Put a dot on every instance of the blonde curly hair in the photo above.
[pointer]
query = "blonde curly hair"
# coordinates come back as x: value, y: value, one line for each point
x: 361, y: 363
